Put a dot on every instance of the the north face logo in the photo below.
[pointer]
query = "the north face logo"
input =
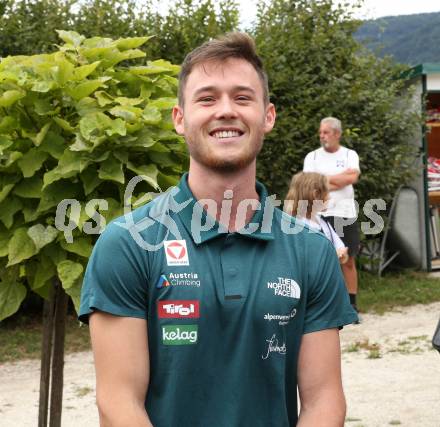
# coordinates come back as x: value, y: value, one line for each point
x: 176, y: 252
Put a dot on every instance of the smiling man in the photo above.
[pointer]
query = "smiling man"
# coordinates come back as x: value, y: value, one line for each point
x: 232, y: 311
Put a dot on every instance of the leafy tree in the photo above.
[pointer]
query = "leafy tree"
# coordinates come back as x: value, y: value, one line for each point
x: 77, y: 124
x: 316, y: 69
x: 28, y: 27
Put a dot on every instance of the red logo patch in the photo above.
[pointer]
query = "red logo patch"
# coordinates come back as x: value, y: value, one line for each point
x: 176, y: 250
x: 178, y: 309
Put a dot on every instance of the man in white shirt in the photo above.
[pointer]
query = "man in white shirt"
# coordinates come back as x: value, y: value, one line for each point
x: 341, y: 166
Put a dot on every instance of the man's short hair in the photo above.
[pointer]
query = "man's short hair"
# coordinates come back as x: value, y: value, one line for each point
x: 231, y: 45
x: 334, y: 123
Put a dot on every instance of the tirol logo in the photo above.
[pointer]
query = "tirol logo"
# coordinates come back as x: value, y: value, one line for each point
x: 176, y: 252
x: 162, y: 282
x: 179, y: 335
x: 178, y: 309
x: 285, y: 287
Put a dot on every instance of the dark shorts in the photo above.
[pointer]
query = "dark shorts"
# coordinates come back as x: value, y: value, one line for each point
x: 349, y: 233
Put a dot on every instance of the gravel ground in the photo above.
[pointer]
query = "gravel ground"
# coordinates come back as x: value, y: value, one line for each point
x: 391, y: 376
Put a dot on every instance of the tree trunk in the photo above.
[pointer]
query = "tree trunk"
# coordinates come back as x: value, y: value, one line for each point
x: 46, y: 354
x: 56, y: 395
x: 52, y: 357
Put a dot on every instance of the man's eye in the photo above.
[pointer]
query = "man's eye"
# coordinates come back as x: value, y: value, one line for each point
x: 243, y: 98
x: 206, y: 99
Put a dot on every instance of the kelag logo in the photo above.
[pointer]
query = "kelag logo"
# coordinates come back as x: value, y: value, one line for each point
x: 178, y: 309
x: 179, y: 335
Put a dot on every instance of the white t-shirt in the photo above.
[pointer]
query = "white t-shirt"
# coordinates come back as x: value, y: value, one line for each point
x: 341, y: 201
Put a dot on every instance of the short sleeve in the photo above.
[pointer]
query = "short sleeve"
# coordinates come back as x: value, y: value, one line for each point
x: 353, y: 160
x: 328, y: 305
x: 309, y: 164
x: 115, y: 281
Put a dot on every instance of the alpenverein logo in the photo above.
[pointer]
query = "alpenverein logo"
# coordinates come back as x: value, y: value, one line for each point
x: 176, y: 252
x: 285, y: 287
x: 178, y: 309
x: 179, y: 335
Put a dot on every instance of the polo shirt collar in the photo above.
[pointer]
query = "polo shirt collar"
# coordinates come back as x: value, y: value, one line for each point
x: 188, y: 214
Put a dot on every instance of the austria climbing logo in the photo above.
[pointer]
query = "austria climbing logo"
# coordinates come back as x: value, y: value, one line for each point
x: 162, y: 282
x: 176, y: 252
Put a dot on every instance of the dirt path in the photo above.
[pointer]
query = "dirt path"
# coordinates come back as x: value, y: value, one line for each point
x: 391, y: 377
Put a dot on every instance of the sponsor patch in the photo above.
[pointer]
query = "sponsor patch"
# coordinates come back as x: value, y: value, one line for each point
x: 179, y: 334
x: 285, y: 287
x: 178, y: 279
x: 282, y: 319
x: 162, y: 282
x: 176, y: 252
x: 274, y: 346
x: 178, y: 309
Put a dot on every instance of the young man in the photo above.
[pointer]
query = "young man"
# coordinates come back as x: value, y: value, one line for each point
x: 341, y: 166
x: 231, y: 311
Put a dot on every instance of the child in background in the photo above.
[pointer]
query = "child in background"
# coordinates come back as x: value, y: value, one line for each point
x: 307, y: 196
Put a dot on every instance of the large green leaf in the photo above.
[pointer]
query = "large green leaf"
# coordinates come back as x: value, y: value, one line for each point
x: 5, y: 143
x: 81, y: 246
x: 84, y: 89
x: 20, y: 247
x: 149, y: 172
x: 69, y: 165
x: 55, y: 193
x: 94, y: 124
x: 90, y: 180
x: 71, y: 37
x: 8, y: 209
x: 128, y: 113
x: 9, y: 97
x: 69, y: 272
x: 54, y: 144
x: 45, y: 271
x: 5, y: 235
x: 12, y: 294
x: 32, y: 161
x: 41, y: 134
x: 41, y: 235
x: 111, y: 170
x: 151, y: 115
x: 64, y: 124
x: 80, y: 73
x: 131, y: 42
x: 29, y: 188
x: 8, y: 124
x: 74, y: 292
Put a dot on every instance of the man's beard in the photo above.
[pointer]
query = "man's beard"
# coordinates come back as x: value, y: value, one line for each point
x: 214, y: 162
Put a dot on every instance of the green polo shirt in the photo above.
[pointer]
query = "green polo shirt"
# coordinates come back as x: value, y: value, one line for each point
x: 225, y: 311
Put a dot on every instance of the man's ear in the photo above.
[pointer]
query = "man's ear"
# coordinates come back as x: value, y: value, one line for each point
x: 269, y: 119
x: 177, y: 116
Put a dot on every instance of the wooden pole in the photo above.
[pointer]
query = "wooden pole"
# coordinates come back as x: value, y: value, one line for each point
x: 46, y: 355
x: 56, y: 396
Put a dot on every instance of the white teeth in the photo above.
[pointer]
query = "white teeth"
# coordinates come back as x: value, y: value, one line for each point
x: 226, y: 134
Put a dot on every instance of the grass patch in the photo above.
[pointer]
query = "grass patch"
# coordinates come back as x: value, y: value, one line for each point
x: 20, y: 337
x: 396, y: 289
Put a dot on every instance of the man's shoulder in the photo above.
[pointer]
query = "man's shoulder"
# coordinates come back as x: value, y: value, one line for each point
x: 300, y: 231
x: 314, y: 152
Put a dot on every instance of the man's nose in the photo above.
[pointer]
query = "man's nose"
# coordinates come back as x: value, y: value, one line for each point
x: 226, y: 108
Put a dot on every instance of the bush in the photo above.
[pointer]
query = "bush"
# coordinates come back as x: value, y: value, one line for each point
x: 77, y: 124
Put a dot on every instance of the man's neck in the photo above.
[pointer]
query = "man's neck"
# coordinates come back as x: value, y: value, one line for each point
x: 332, y: 148
x: 237, y: 186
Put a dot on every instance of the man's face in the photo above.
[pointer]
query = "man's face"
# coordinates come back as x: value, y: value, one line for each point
x: 329, y: 137
x: 224, y: 117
